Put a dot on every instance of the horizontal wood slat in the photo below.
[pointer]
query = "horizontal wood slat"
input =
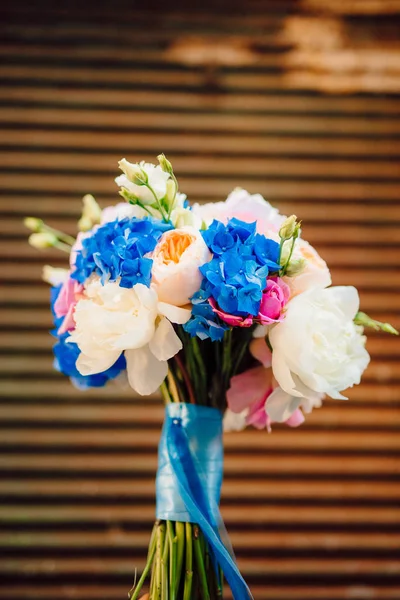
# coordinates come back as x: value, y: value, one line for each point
x: 313, y: 512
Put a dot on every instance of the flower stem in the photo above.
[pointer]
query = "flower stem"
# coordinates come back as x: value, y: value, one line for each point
x: 198, y: 552
x: 180, y: 549
x: 173, y: 542
x: 186, y: 378
x: 172, y: 387
x: 135, y: 591
x: 164, y: 568
x: 187, y: 590
x: 160, y: 208
x: 165, y: 393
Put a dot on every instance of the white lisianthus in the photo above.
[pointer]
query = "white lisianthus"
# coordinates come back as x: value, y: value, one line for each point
x: 111, y: 320
x: 155, y: 177
x: 246, y: 207
x: 176, y: 261
x: 123, y: 210
x: 317, y: 349
x: 315, y: 272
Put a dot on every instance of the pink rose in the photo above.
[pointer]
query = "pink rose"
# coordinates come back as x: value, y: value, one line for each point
x: 233, y: 320
x: 274, y: 298
x: 64, y: 306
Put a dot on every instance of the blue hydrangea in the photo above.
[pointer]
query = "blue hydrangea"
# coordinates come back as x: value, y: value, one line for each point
x: 117, y: 250
x: 235, y: 277
x: 204, y: 323
x: 242, y: 259
x: 66, y: 355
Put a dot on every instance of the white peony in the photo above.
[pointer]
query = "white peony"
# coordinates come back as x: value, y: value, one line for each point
x: 111, y: 320
x: 246, y: 207
x: 176, y: 261
x: 280, y: 405
x: 156, y: 179
x: 317, y: 349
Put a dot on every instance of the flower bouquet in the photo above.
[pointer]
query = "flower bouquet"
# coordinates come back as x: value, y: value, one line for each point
x: 228, y: 311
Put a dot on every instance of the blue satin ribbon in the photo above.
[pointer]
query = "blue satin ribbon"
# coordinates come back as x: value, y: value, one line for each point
x: 189, y: 479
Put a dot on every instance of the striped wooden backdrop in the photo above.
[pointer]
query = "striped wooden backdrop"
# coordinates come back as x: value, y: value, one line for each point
x: 313, y: 513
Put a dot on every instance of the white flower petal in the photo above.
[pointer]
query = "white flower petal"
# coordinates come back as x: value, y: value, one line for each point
x: 175, y: 314
x: 145, y: 372
x: 165, y: 342
x: 90, y: 365
x: 280, y: 405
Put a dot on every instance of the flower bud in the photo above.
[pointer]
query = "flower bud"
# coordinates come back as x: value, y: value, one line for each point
x: 165, y: 164
x: 43, y: 240
x: 134, y: 172
x: 288, y: 228
x: 54, y: 276
x: 171, y: 193
x: 91, y: 214
x: 33, y: 224
x: 365, y: 320
x: 295, y: 267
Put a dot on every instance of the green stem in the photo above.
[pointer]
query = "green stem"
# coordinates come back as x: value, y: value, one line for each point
x: 164, y: 569
x: 187, y: 590
x: 160, y: 208
x: 201, y: 368
x: 63, y: 237
x: 180, y: 549
x: 63, y: 247
x: 173, y: 541
x: 198, y: 552
x: 165, y: 393
x: 134, y: 593
x: 160, y: 547
x: 186, y: 378
x: 284, y: 268
x: 172, y: 387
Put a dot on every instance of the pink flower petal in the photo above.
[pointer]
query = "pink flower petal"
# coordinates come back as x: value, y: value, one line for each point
x: 296, y: 419
x: 259, y: 349
x: 248, y: 388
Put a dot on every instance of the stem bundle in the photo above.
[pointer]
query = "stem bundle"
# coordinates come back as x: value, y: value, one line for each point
x: 180, y: 565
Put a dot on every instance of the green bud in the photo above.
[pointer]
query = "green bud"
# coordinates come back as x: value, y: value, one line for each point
x: 288, y: 228
x: 133, y: 172
x: 365, y: 320
x: 295, y: 267
x: 171, y: 193
x: 43, y: 240
x: 33, y: 224
x: 91, y: 214
x: 165, y: 164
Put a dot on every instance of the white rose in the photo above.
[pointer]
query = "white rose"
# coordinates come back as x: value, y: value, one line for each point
x: 176, y: 261
x: 111, y: 320
x: 246, y: 207
x: 156, y: 179
x: 315, y: 272
x: 317, y: 349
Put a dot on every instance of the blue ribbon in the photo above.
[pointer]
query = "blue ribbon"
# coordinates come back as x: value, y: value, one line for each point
x: 189, y: 479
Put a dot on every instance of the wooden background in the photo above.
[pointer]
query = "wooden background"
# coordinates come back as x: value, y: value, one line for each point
x: 313, y: 513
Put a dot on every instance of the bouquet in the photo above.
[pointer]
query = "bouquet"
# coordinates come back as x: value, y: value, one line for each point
x: 226, y: 309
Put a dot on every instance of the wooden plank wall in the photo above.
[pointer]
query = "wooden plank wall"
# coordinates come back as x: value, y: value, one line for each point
x: 313, y: 513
